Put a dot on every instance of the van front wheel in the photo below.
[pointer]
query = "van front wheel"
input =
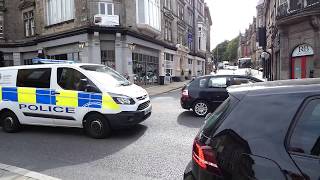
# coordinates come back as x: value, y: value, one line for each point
x: 96, y: 126
x: 10, y: 122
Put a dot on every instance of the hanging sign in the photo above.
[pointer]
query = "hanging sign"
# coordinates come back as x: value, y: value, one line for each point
x: 303, y: 50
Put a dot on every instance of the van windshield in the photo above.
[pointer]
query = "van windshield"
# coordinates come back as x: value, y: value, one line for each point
x: 109, y: 74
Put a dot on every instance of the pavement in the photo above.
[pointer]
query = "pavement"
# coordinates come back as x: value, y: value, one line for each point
x: 158, y: 148
x: 8, y: 172
x: 157, y: 90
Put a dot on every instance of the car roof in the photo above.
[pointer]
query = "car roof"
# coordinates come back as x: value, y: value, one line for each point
x: 46, y: 66
x: 276, y: 87
x: 226, y: 75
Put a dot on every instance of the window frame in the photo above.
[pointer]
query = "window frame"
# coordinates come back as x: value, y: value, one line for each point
x: 88, y: 79
x: 180, y: 10
x: 106, y: 8
x: 29, y: 19
x: 218, y: 77
x: 34, y: 69
x: 167, y: 4
x: 293, y: 125
x: 168, y: 30
x: 50, y: 21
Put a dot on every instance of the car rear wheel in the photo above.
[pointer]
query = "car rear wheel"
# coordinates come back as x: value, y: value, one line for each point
x: 97, y: 126
x: 200, y: 108
x: 10, y: 122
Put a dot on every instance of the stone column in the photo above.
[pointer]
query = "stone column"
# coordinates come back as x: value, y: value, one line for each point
x: 16, y: 59
x: 94, y: 48
x: 118, y: 53
x: 161, y: 63
x: 285, y: 56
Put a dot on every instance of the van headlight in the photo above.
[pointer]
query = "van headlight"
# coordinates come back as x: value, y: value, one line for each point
x: 122, y: 99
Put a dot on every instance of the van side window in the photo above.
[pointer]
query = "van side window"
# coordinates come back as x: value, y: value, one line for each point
x: 34, y: 78
x: 71, y: 79
x: 306, y: 135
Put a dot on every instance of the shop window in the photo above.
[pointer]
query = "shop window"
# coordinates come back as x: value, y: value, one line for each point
x: 145, y: 69
x: 108, y: 58
x: 27, y: 62
x: 58, y: 57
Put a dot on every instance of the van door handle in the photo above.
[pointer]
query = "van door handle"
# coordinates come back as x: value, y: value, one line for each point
x: 55, y: 93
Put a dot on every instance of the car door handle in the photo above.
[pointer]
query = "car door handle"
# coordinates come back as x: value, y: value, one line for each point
x: 55, y: 93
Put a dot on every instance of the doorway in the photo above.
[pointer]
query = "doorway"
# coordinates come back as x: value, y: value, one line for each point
x: 302, y: 67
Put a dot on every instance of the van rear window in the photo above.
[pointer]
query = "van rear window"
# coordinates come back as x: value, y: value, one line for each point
x: 34, y: 78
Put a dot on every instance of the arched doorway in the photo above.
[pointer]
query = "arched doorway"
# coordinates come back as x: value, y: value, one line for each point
x: 302, y: 62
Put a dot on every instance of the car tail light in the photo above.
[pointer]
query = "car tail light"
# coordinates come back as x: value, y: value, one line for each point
x: 185, y: 93
x: 205, y: 157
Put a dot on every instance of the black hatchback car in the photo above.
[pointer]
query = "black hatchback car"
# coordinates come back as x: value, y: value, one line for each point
x: 204, y: 94
x: 262, y: 131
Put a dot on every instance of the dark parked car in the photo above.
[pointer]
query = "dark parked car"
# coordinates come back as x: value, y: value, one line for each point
x: 262, y: 131
x: 206, y: 93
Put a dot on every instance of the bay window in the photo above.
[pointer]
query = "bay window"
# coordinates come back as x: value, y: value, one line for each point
x: 58, y: 11
x: 148, y: 13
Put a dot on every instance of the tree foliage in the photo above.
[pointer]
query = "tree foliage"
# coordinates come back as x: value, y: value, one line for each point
x: 227, y: 50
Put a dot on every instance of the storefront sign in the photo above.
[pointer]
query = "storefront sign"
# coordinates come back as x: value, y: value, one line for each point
x: 303, y: 50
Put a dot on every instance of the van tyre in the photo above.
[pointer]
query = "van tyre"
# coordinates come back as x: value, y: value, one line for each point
x: 97, y: 126
x: 201, y: 108
x: 10, y: 122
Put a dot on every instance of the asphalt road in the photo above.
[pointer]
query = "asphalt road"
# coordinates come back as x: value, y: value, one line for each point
x: 158, y: 148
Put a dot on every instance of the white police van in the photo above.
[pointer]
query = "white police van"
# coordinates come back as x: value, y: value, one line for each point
x: 62, y: 93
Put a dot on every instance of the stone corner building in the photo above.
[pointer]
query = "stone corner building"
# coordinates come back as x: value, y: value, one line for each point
x: 142, y: 39
x: 292, y: 38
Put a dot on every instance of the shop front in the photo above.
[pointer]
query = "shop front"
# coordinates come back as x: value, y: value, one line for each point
x: 302, y: 62
x: 145, y: 69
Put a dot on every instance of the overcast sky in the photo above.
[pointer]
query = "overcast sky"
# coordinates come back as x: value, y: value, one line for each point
x: 229, y: 18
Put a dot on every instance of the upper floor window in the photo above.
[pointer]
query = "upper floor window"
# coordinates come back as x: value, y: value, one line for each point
x: 148, y: 12
x: 167, y: 4
x: 200, y: 7
x: 59, y: 11
x: 181, y: 36
x: 106, y: 8
x: 190, y: 2
x: 29, y: 26
x: 190, y: 16
x: 168, y: 30
x: 180, y: 10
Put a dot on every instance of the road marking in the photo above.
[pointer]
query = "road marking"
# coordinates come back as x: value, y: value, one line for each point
x: 26, y: 173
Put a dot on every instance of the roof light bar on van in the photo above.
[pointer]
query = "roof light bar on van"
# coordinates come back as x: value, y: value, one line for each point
x: 50, y: 61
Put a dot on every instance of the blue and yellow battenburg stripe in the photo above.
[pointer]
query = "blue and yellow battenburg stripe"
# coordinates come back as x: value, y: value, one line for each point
x: 62, y: 98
